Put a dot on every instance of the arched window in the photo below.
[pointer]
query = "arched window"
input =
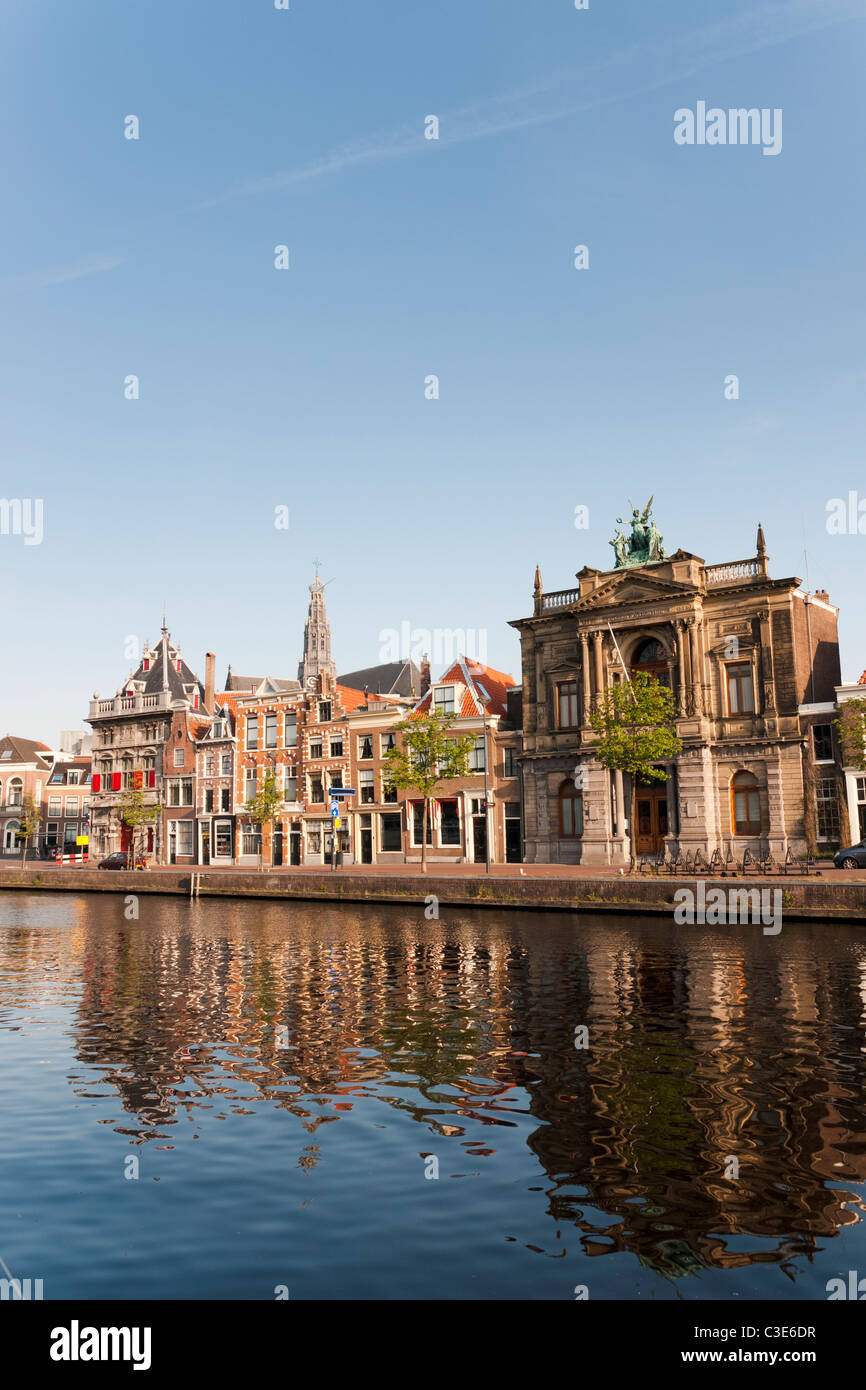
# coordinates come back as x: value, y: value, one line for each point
x: 10, y: 839
x: 15, y: 792
x: 745, y: 804
x: 570, y: 811
x: 651, y: 658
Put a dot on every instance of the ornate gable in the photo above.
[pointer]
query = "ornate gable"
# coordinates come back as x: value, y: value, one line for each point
x: 630, y: 587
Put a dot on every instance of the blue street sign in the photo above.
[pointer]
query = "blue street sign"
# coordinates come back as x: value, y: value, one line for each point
x: 335, y: 811
x: 343, y: 791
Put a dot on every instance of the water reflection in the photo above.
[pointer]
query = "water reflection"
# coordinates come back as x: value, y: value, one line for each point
x: 704, y: 1046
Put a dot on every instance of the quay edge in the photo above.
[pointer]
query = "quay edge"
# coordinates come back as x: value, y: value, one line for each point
x: 812, y: 899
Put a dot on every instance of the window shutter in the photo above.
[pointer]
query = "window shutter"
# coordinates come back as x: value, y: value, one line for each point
x: 151, y: 779
x: 115, y: 781
x: 94, y: 786
x: 138, y: 780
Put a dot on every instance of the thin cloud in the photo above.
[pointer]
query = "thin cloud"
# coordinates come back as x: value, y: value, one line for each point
x: 60, y: 275
x: 632, y: 72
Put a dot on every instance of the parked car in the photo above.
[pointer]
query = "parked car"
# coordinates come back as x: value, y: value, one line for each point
x: 853, y: 858
x: 118, y: 859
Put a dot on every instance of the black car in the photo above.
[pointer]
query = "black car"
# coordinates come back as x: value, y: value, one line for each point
x: 118, y: 859
x: 853, y: 858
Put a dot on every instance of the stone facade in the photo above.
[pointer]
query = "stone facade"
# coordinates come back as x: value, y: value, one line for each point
x: 741, y: 653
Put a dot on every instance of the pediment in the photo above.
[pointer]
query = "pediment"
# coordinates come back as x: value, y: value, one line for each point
x: 632, y: 587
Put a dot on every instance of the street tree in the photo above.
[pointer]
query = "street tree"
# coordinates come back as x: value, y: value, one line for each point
x: 635, y: 725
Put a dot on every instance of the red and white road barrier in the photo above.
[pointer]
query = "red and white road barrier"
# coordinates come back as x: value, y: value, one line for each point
x: 61, y: 858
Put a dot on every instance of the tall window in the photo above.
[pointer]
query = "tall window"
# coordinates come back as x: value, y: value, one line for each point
x: 270, y: 731
x: 570, y: 811
x: 336, y: 748
x: 324, y: 711
x: 291, y: 786
x: 511, y: 762
x: 392, y: 838
x: 478, y: 755
x: 226, y: 765
x: 387, y: 741
x: 252, y: 731
x: 827, y: 809
x: 567, y: 715
x: 741, y: 693
x: 15, y: 791
x: 291, y: 729
x: 179, y: 757
x: 317, y: 790
x: 822, y: 738
x: 449, y: 823
x: 745, y: 804
x: 365, y: 746
x: 365, y: 782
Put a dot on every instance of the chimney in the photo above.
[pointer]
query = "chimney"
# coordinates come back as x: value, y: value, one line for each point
x: 209, y: 668
x: 822, y: 595
x: 425, y: 673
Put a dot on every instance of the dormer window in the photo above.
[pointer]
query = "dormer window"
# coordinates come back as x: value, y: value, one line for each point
x: 195, y: 700
x: 177, y: 664
x: 145, y: 665
x: 443, y: 699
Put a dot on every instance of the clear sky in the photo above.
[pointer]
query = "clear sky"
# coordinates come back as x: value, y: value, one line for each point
x: 410, y: 257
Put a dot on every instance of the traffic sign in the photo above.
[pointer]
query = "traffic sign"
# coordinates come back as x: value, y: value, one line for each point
x: 343, y: 791
x: 337, y: 823
x: 335, y: 811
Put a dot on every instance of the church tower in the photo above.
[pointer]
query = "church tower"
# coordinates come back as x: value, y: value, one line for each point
x: 317, y: 637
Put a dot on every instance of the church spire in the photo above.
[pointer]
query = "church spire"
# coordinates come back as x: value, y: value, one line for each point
x: 317, y: 636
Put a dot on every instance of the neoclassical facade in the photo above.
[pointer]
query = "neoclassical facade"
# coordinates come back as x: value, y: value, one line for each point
x: 741, y: 652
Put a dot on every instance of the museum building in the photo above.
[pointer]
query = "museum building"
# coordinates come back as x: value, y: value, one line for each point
x: 751, y: 662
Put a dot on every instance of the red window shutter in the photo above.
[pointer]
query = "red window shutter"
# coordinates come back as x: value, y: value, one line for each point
x: 151, y: 779
x: 138, y: 780
x: 94, y: 785
x: 115, y: 781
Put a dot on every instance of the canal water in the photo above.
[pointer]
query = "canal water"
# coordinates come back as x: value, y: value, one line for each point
x: 233, y: 1099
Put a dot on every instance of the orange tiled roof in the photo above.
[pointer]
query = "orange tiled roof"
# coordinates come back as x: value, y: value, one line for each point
x: 862, y: 680
x: 470, y: 673
x: 352, y: 699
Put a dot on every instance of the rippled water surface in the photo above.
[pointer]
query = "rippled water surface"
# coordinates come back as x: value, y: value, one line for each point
x: 288, y: 1079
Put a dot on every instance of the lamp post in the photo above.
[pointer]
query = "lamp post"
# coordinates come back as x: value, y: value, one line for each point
x: 486, y: 803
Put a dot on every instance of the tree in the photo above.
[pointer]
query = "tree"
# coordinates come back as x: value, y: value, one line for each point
x: 135, y: 812
x: 427, y: 755
x: 851, y: 725
x: 29, y: 821
x: 265, y: 806
x: 635, y: 725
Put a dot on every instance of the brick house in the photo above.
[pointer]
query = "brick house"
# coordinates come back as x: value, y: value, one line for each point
x: 484, y: 806
x: 376, y: 812
x: 216, y: 807
x: 66, y: 807
x: 25, y: 766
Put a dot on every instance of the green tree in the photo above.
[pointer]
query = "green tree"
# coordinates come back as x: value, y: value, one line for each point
x: 635, y: 725
x: 29, y: 821
x: 135, y: 811
x: 428, y: 754
x: 264, y: 808
x: 851, y: 725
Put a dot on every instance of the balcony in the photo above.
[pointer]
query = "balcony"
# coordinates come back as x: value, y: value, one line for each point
x: 735, y: 572
x: 129, y: 704
x: 561, y: 598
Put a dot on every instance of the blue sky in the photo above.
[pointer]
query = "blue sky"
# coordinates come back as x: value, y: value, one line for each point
x: 411, y: 257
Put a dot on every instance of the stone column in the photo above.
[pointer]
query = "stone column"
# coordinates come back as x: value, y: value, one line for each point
x: 598, y: 638
x: 585, y: 673
x: 769, y: 684
x: 681, y: 653
x: 670, y: 789
x: 695, y: 658
x: 620, y: 805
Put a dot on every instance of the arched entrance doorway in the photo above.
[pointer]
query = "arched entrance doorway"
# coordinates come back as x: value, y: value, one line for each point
x: 651, y: 658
